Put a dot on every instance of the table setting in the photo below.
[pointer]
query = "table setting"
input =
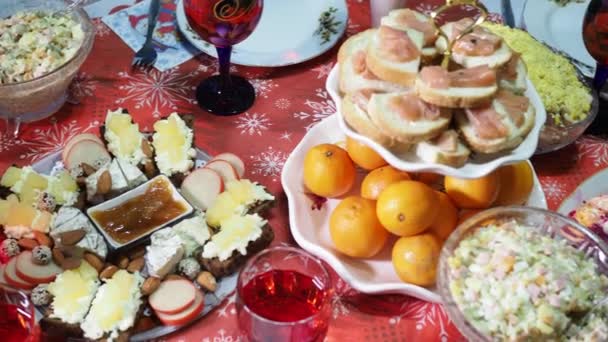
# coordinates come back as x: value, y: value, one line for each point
x: 271, y: 170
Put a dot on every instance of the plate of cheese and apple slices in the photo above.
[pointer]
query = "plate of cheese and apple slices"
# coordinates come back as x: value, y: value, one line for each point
x: 127, y: 235
x: 309, y: 222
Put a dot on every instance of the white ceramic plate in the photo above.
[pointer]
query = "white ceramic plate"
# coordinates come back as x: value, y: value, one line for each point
x: 289, y: 32
x: 559, y: 27
x: 593, y: 186
x: 476, y: 166
x: 310, y: 227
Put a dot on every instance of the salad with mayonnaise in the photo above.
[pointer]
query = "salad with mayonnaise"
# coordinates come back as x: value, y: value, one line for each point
x: 33, y: 44
x: 514, y: 283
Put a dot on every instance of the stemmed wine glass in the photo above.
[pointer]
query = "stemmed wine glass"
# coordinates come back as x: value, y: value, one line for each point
x: 595, y: 36
x: 224, y: 23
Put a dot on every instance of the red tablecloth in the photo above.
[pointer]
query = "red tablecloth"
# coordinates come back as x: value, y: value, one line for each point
x: 289, y: 101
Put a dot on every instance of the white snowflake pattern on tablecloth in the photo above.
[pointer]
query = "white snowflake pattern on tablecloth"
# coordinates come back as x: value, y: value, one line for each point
x: 282, y: 103
x: 7, y: 141
x: 252, y: 123
x: 352, y: 28
x: 424, y: 314
x: 339, y: 305
x: 222, y: 336
x: 320, y: 109
x: 208, y: 64
x: 263, y: 87
x: 49, y: 140
x: 323, y: 70
x: 101, y: 29
x: 285, y: 136
x: 425, y: 8
x: 553, y: 188
x: 228, y: 309
x: 268, y: 163
x: 157, y: 90
x: 83, y: 85
x: 594, y: 148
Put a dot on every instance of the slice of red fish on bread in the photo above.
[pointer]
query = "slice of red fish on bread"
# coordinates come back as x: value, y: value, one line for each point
x: 354, y: 73
x: 394, y: 55
x: 501, y: 126
x: 479, y: 47
x: 445, y: 149
x: 407, y: 19
x: 406, y: 118
x: 464, y: 88
x: 512, y: 76
x: 354, y: 111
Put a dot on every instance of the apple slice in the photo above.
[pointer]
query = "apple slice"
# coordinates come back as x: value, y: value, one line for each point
x: 224, y: 168
x: 10, y: 274
x: 186, y: 315
x: 77, y: 138
x: 86, y: 151
x: 33, y: 273
x: 201, y: 187
x: 236, y: 162
x: 173, y: 296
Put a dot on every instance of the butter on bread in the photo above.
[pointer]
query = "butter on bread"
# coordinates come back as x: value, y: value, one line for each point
x: 445, y: 149
x: 122, y: 137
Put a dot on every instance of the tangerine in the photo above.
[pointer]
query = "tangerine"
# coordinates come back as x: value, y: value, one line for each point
x: 478, y: 193
x: 428, y: 177
x: 328, y: 171
x: 446, y: 219
x: 415, y: 259
x: 355, y: 229
x: 363, y: 155
x: 377, y: 180
x: 516, y: 182
x: 407, y: 207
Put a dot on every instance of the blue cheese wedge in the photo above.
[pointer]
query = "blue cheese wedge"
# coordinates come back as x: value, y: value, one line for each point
x: 193, y: 233
x: 236, y: 199
x: 172, y: 142
x: 123, y: 137
x: 236, y: 233
x: 115, y: 306
x: 69, y: 219
x: 164, y: 253
x: 73, y: 292
x: 132, y: 174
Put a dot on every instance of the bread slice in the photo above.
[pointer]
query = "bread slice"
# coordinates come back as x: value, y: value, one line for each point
x: 354, y: 73
x: 391, y: 65
x: 360, y: 121
x: 500, y: 56
x: 445, y: 149
x: 512, y: 76
x: 454, y: 94
x: 406, y: 118
x: 512, y: 131
x: 406, y: 19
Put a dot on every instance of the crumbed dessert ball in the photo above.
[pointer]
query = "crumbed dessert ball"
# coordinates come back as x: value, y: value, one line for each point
x: 40, y: 295
x: 10, y: 247
x: 41, y: 255
x: 46, y: 202
x: 189, y: 267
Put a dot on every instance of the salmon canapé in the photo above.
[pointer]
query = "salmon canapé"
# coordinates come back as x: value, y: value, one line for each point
x: 419, y: 22
x: 360, y: 66
x: 396, y: 45
x: 410, y: 107
x: 515, y: 105
x: 476, y: 77
x: 447, y: 141
x: 479, y: 42
x: 487, y: 123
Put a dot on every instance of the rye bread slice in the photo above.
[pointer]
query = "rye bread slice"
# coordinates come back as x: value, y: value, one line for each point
x: 56, y: 330
x: 236, y: 260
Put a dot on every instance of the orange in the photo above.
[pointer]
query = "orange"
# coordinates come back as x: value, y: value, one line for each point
x: 415, y: 259
x: 428, y: 177
x: 407, y: 207
x: 478, y: 193
x: 363, y: 155
x: 355, y: 229
x: 465, y: 214
x: 446, y: 219
x: 328, y: 171
x: 377, y: 180
x: 516, y: 181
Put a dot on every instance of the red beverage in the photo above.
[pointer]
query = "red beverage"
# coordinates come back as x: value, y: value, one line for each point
x: 224, y: 22
x: 595, y: 30
x: 14, y: 323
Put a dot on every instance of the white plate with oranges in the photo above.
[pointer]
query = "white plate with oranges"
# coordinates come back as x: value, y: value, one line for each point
x: 381, y: 229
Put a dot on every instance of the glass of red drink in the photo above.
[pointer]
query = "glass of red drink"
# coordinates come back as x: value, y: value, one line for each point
x: 595, y: 36
x: 284, y: 294
x: 17, y: 316
x: 224, y: 23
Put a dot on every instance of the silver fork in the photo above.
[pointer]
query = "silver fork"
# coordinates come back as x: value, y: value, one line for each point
x: 146, y: 56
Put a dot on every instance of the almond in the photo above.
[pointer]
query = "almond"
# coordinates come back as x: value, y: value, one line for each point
x: 175, y: 277
x: 27, y: 243
x: 72, y: 237
x: 108, y: 272
x: 87, y: 169
x: 123, y: 262
x: 146, y: 148
x: 207, y: 281
x: 58, y: 256
x: 104, y: 183
x: 80, y: 202
x: 149, y: 169
x: 81, y: 181
x: 71, y: 263
x: 150, y: 285
x: 94, y: 261
x: 136, y: 265
x: 43, y: 239
x: 137, y: 252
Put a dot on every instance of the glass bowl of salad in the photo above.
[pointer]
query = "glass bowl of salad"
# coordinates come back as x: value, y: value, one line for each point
x: 521, y: 273
x: 41, y: 51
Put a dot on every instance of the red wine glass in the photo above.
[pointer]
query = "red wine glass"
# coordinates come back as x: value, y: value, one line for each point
x: 224, y: 23
x: 284, y: 294
x: 595, y: 36
x: 17, y: 317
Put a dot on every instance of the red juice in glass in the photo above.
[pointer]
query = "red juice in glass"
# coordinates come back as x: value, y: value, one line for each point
x: 284, y: 294
x: 17, y: 320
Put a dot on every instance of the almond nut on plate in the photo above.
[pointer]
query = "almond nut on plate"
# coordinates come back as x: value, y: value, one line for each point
x: 27, y: 243
x: 108, y: 272
x: 43, y: 239
x: 104, y: 183
x: 72, y: 237
x: 137, y: 252
x: 150, y: 285
x: 207, y: 281
x: 94, y: 261
x: 87, y: 169
x: 175, y: 277
x: 136, y: 265
x: 58, y: 256
x: 71, y: 263
x: 123, y: 262
x: 146, y: 148
x: 149, y: 169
